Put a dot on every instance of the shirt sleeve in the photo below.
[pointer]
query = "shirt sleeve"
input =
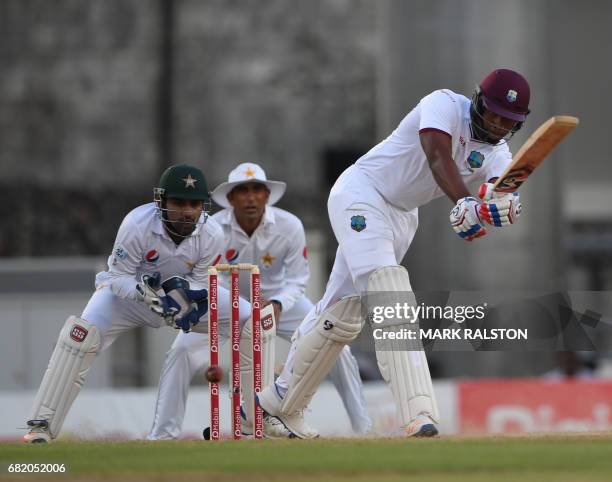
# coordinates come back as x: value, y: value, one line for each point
x: 296, y: 270
x: 439, y: 111
x: 211, y: 255
x: 125, y: 260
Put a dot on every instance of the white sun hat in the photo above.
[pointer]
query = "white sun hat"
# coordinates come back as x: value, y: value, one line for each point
x: 247, y: 172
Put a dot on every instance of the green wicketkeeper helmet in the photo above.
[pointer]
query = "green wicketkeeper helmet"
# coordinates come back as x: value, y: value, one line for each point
x: 182, y: 182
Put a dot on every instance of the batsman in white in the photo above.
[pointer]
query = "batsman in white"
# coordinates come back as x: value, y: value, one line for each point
x: 170, y: 239
x: 446, y: 142
x: 255, y: 232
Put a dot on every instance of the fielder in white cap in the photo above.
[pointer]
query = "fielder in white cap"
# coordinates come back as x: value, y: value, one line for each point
x: 258, y: 233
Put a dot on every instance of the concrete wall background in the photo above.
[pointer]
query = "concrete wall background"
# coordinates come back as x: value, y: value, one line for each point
x: 96, y: 98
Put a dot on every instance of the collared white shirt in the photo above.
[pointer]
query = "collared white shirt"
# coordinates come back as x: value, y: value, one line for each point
x: 277, y: 246
x: 398, y: 167
x: 143, y: 246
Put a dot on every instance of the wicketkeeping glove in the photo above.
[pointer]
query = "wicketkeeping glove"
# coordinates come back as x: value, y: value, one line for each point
x: 498, y: 208
x: 180, y: 306
x: 193, y: 303
x: 465, y: 219
x: 148, y: 290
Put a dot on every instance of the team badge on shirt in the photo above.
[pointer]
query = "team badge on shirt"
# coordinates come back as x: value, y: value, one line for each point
x: 305, y: 252
x: 152, y: 256
x: 232, y: 255
x: 267, y: 260
x: 358, y: 223
x: 475, y: 160
x: 120, y: 252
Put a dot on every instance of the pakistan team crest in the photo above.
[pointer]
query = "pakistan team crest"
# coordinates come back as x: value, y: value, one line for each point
x: 358, y: 223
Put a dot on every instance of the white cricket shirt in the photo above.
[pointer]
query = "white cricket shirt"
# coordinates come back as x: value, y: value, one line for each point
x: 398, y: 167
x: 143, y: 246
x: 277, y: 246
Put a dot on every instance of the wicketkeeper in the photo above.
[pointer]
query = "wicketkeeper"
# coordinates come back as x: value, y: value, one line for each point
x: 156, y: 276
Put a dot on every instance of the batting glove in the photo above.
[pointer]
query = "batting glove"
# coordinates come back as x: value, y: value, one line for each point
x: 498, y: 208
x: 465, y: 220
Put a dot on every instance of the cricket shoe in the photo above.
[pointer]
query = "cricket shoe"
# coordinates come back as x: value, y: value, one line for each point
x: 421, y: 426
x: 281, y: 425
x: 38, y: 433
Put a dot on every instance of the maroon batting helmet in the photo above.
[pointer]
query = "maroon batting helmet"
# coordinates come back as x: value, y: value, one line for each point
x: 506, y: 93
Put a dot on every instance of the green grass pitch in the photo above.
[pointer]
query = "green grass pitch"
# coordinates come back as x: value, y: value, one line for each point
x: 539, y: 458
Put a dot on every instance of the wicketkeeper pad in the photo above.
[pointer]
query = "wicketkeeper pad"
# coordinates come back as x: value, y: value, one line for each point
x: 402, y: 363
x: 268, y: 338
x: 77, y: 346
x: 318, y: 350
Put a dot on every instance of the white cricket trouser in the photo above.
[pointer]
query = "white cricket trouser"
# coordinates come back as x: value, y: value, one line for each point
x: 384, y: 242
x: 189, y: 354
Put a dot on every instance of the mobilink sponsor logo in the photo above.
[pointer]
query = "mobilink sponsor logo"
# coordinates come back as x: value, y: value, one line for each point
x: 258, y: 423
x: 255, y: 293
x: 214, y: 421
x: 236, y: 375
x: 212, y: 299
x: 257, y: 382
x: 235, y: 298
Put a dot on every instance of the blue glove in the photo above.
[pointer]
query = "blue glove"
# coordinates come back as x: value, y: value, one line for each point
x: 148, y: 291
x: 178, y: 283
x: 152, y: 280
x: 192, y: 318
x: 167, y: 307
x: 191, y: 304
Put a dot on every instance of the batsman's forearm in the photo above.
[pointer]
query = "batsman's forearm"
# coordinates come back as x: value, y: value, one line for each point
x: 437, y: 146
x: 447, y: 176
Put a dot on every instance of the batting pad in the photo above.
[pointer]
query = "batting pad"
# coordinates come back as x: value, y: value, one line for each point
x: 268, y: 338
x: 317, y: 351
x: 402, y: 363
x: 77, y: 346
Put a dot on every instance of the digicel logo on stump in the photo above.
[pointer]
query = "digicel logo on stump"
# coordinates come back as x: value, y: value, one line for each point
x: 534, y: 406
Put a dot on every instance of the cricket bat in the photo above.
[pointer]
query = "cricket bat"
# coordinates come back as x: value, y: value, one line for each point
x: 539, y: 145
